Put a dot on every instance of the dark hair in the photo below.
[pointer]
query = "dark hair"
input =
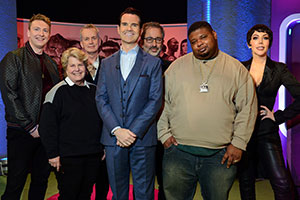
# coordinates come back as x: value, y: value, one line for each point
x: 133, y: 11
x: 183, y: 41
x: 148, y: 25
x: 170, y: 40
x: 198, y: 25
x: 260, y: 28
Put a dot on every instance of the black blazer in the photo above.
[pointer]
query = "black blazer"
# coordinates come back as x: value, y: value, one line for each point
x: 275, y: 75
x: 88, y: 76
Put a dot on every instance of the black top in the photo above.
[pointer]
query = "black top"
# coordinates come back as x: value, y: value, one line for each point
x: 70, y: 124
x: 275, y: 75
x: 165, y: 64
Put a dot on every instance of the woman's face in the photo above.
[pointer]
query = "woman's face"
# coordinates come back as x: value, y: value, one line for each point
x: 259, y: 43
x: 76, y: 70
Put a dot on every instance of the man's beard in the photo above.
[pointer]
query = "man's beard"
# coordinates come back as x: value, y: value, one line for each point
x: 156, y: 53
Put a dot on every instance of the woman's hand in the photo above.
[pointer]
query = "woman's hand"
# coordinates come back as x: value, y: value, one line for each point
x: 266, y: 113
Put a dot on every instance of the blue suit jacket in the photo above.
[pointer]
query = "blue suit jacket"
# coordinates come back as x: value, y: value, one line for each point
x: 144, y: 98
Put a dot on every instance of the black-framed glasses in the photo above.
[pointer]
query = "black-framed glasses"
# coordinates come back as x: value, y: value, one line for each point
x: 150, y: 39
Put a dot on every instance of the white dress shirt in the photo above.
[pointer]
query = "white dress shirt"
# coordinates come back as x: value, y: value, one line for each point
x: 127, y: 61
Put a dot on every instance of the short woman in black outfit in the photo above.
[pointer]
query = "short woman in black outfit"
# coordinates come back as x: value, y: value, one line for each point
x: 70, y: 129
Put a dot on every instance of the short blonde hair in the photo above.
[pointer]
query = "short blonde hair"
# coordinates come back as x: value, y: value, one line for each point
x: 89, y: 26
x: 73, y: 52
x: 40, y: 17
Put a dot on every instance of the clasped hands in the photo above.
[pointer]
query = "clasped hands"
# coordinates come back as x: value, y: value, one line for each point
x: 125, y: 137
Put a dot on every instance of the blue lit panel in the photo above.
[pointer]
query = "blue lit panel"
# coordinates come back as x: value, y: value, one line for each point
x: 231, y: 19
x: 8, y: 42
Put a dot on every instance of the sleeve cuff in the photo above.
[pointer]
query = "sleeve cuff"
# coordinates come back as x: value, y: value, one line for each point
x: 238, y: 143
x: 278, y: 117
x: 114, y: 129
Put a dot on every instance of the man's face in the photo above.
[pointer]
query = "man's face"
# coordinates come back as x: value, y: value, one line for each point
x: 90, y: 40
x: 204, y: 43
x: 129, y: 28
x: 153, y: 41
x: 38, y: 34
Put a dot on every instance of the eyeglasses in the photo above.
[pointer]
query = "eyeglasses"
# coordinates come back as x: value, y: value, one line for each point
x: 150, y: 39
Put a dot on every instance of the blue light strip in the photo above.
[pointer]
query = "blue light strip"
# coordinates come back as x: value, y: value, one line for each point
x: 208, y: 4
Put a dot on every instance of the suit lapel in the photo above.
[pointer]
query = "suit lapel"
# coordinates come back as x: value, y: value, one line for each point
x: 136, y: 71
x: 97, y: 73
x: 268, y: 74
x: 115, y: 72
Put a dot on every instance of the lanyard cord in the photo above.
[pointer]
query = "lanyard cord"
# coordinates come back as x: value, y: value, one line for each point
x: 210, y: 72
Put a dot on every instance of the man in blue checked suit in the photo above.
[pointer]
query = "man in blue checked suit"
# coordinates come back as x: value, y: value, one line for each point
x: 129, y: 96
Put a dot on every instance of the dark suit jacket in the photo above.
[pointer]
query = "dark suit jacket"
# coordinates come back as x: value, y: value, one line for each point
x: 88, y: 76
x: 144, y: 99
x: 275, y: 75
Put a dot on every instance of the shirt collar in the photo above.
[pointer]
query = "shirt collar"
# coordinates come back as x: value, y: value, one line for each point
x: 211, y: 60
x: 96, y: 63
x: 134, y: 50
x: 71, y: 83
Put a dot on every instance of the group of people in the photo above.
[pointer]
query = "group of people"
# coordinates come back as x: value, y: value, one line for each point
x: 213, y: 115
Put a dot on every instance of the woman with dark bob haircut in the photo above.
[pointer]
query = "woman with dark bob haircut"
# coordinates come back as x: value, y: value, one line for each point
x: 264, y: 148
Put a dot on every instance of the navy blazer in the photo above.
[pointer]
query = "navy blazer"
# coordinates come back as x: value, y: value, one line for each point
x: 144, y: 98
x: 275, y: 75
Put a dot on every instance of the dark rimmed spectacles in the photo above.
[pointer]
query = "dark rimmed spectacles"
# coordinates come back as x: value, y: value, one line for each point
x: 150, y: 39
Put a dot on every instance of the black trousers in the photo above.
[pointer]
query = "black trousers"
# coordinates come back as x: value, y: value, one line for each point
x: 102, y: 185
x: 77, y: 176
x: 265, y: 150
x: 25, y: 155
x: 158, y: 170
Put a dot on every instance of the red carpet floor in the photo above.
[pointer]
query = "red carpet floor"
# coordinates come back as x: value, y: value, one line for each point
x: 109, y: 195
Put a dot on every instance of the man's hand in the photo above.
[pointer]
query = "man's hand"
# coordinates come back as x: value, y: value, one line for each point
x: 170, y: 141
x: 232, y: 155
x: 125, y: 137
x: 55, y: 162
x: 34, y: 132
